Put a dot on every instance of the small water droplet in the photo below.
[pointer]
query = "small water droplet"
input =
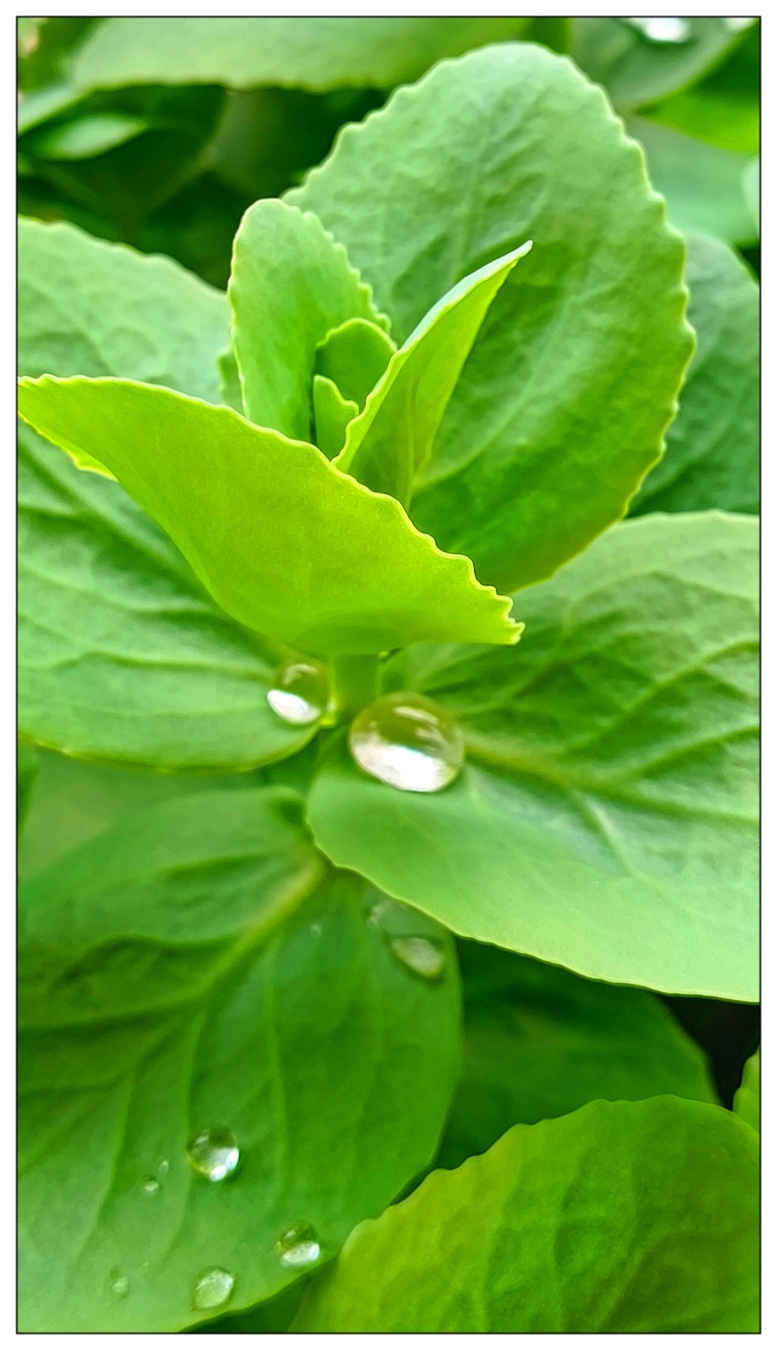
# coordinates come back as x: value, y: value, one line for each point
x: 663, y: 30
x: 407, y: 741
x: 118, y: 1283
x: 163, y: 1168
x: 299, y: 1246
x: 316, y: 929
x: 300, y: 692
x: 213, y: 1153
x: 213, y: 1288
x: 150, y: 1186
x: 420, y: 954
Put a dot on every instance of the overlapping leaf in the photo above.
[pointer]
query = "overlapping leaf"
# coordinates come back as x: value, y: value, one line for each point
x: 624, y: 1217
x: 197, y: 967
x: 702, y: 183
x: 747, y: 1098
x: 563, y: 402
x: 607, y: 817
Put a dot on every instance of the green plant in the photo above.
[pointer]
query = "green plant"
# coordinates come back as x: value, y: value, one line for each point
x: 290, y: 545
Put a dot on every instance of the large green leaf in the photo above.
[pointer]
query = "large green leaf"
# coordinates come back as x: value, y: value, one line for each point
x: 636, y: 68
x: 563, y: 402
x: 747, y: 1098
x: 311, y: 52
x: 199, y: 968
x: 712, y: 447
x: 290, y: 284
x: 607, y: 817
x: 540, y: 1042
x: 390, y: 442
x: 624, y: 1217
x: 702, y: 183
x: 285, y: 543
x: 122, y: 653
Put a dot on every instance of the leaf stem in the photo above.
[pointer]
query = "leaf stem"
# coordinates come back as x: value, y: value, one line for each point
x: 354, y: 684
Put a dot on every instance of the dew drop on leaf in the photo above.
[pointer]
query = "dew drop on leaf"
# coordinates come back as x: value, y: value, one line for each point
x: 299, y: 1246
x: 150, y: 1186
x: 420, y: 954
x: 118, y: 1283
x: 213, y: 1153
x: 407, y: 741
x: 299, y: 693
x: 213, y: 1288
x: 163, y: 1168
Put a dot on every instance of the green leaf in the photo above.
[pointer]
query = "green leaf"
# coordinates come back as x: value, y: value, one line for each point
x: 637, y: 70
x: 122, y: 654
x: 334, y: 567
x: 354, y: 356
x: 733, y: 123
x: 26, y: 775
x: 390, y: 442
x: 606, y: 819
x: 331, y: 415
x: 751, y: 186
x: 702, y: 183
x: 712, y: 448
x: 540, y: 1042
x: 197, y: 968
x: 562, y: 405
x: 229, y: 380
x: 624, y: 1217
x: 290, y: 284
x: 84, y: 137
x: 747, y: 1098
x: 317, y: 53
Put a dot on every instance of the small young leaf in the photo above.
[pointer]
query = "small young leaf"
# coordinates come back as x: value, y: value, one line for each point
x: 624, y: 1217
x: 747, y: 1098
x: 290, y: 285
x: 197, y: 968
x: 355, y: 356
x: 606, y: 819
x: 388, y: 445
x: 540, y: 1042
x: 331, y: 415
x: 84, y: 137
x: 333, y: 568
x: 712, y: 447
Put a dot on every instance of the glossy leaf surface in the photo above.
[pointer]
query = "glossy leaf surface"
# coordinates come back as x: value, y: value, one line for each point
x: 335, y: 567
x: 197, y: 968
x: 712, y: 447
x: 747, y: 1098
x: 540, y: 1042
x: 624, y: 1217
x: 606, y: 819
x: 562, y: 404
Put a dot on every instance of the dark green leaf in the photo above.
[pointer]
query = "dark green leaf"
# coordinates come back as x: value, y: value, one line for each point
x: 747, y: 1098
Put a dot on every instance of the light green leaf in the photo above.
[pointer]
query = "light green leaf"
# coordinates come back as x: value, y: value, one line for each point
x: 606, y: 819
x: 122, y: 654
x: 197, y: 968
x: 318, y: 52
x: 91, y: 308
x: 562, y: 405
x: 390, y: 442
x: 747, y: 1098
x: 331, y: 415
x: 84, y: 137
x: 334, y: 567
x: 751, y: 186
x: 712, y: 448
x: 540, y: 1042
x: 41, y: 104
x: 624, y: 1217
x: 637, y: 69
x: 702, y: 183
x: 290, y: 284
x: 355, y: 356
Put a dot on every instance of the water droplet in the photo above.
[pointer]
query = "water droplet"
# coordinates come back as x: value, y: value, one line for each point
x: 150, y: 1186
x: 300, y: 692
x: 420, y: 954
x: 316, y: 929
x: 407, y: 741
x: 663, y: 30
x: 213, y: 1288
x: 299, y: 1246
x: 118, y: 1283
x: 163, y: 1168
x: 213, y: 1153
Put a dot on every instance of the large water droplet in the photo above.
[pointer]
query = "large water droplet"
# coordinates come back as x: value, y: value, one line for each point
x: 300, y: 692
x: 150, y: 1186
x: 407, y: 741
x: 213, y: 1153
x: 663, y: 30
x: 118, y: 1283
x: 213, y: 1288
x: 299, y: 1246
x: 420, y: 954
